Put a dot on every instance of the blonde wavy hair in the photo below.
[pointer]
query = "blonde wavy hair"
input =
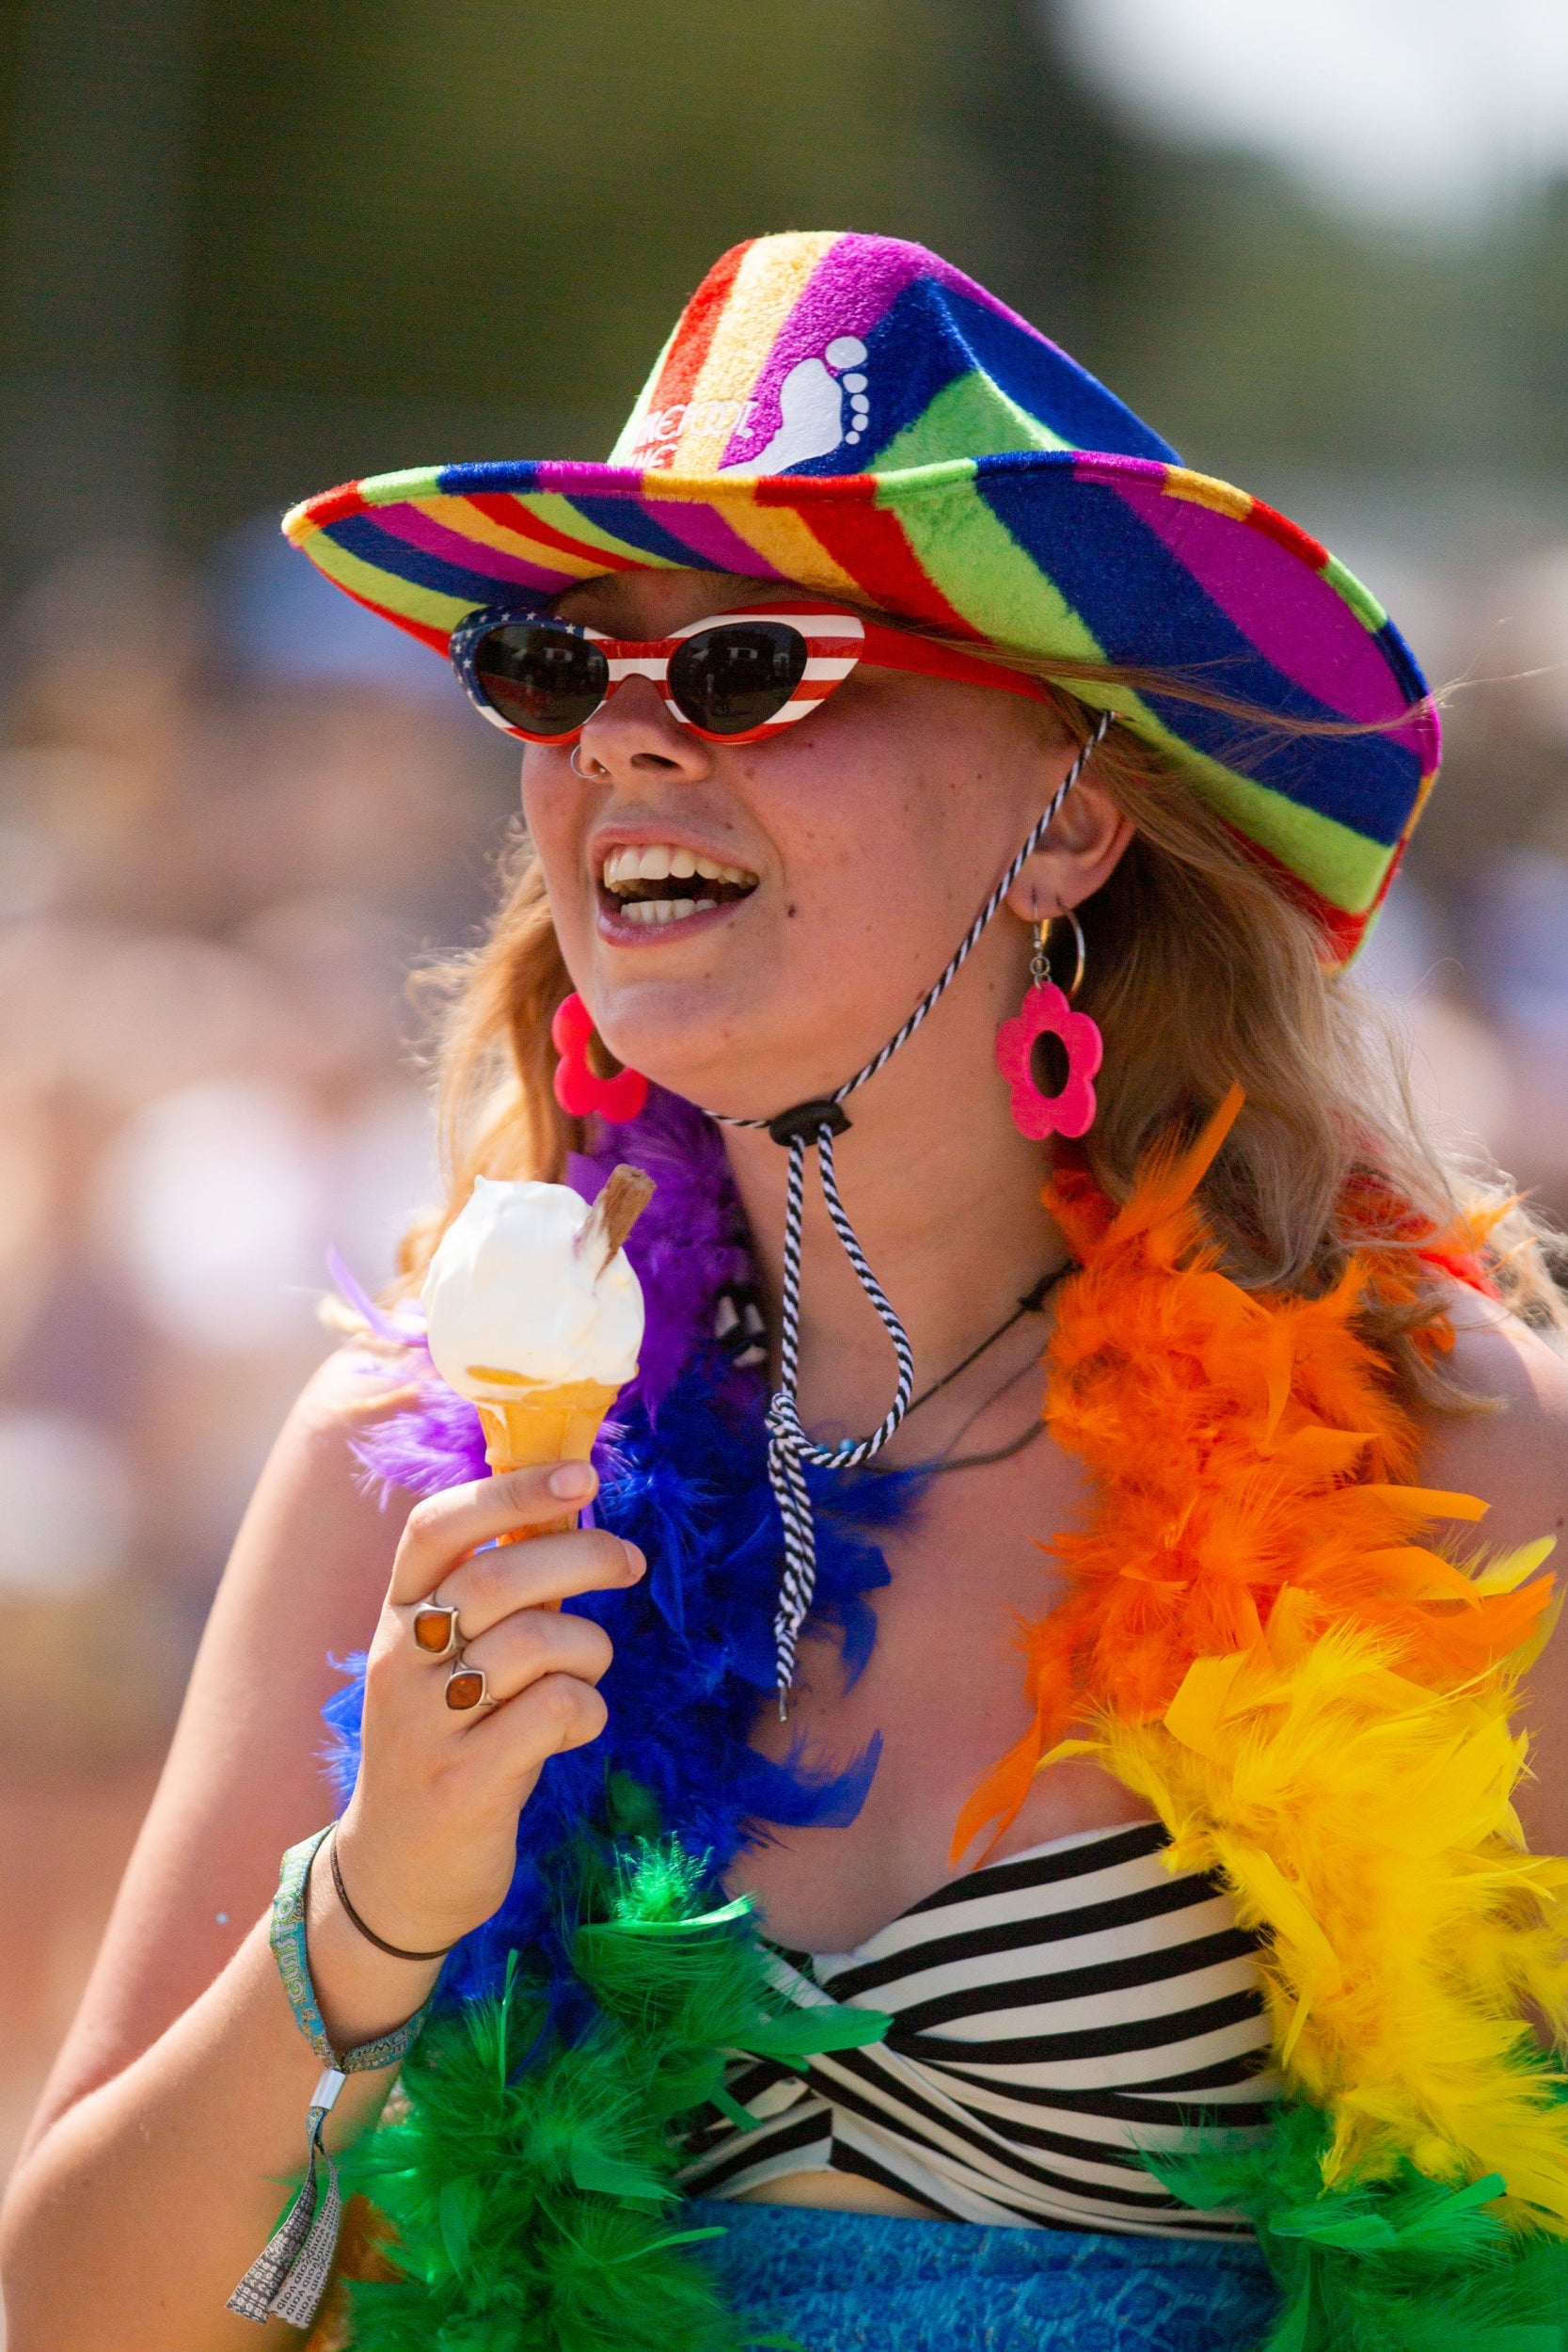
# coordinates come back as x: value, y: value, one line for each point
x: 1201, y: 974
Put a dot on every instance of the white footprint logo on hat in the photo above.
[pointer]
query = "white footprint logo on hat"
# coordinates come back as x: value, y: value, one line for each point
x: 812, y: 411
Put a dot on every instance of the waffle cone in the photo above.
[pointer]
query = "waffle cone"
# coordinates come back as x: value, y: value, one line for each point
x: 545, y: 1424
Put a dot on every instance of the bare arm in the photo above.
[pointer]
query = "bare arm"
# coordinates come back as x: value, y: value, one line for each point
x: 244, y: 1779
x: 154, y: 2171
x: 1517, y: 1460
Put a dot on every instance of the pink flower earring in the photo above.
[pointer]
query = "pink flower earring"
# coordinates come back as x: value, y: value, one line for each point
x: 579, y: 1088
x: 1046, y: 1012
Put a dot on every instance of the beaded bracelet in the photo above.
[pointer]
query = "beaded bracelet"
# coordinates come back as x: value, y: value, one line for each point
x: 289, y: 2275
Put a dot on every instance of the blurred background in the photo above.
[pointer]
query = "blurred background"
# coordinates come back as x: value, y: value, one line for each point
x: 250, y: 248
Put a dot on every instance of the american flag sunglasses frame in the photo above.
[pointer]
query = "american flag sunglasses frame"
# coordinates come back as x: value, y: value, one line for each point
x: 834, y: 638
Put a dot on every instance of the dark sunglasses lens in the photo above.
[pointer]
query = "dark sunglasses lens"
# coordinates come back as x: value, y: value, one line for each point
x: 544, y: 680
x: 738, y: 675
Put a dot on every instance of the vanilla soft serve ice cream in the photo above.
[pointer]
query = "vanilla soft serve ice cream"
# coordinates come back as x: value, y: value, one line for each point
x: 513, y: 1301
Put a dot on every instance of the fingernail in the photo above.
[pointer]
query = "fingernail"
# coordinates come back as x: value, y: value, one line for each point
x: 572, y: 1481
x: 639, y: 1565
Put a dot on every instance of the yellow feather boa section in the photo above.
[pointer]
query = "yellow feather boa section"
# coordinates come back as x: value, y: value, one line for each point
x: 1257, y: 1638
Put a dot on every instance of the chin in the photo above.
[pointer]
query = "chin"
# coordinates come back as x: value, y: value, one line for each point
x: 684, y: 1037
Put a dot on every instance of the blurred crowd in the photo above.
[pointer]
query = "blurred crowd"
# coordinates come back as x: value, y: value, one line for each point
x: 1472, y: 947
x: 233, y: 811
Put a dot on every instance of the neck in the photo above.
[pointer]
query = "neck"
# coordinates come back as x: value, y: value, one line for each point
x: 945, y: 1196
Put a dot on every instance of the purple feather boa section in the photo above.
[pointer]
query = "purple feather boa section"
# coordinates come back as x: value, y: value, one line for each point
x: 689, y: 1241
x: 429, y: 1446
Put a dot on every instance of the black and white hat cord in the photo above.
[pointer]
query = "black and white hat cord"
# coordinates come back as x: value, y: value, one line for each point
x: 813, y: 1126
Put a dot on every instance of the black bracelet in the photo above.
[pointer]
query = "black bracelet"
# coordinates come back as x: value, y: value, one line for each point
x: 393, y: 1951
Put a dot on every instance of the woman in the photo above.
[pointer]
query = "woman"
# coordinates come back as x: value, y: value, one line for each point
x: 1203, y: 1916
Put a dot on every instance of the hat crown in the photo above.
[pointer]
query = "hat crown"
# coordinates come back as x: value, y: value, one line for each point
x: 828, y: 352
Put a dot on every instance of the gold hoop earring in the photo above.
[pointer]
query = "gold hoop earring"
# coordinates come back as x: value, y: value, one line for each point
x: 1040, y: 962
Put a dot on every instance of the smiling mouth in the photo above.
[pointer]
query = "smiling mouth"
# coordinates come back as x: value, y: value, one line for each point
x: 660, y: 883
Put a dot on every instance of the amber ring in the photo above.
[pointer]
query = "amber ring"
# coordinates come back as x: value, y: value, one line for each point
x: 466, y: 1687
x: 435, y: 1630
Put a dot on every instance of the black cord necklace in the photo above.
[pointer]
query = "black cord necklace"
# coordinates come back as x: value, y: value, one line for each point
x: 1030, y: 1304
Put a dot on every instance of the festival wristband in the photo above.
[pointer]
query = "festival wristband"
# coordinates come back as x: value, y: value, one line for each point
x: 289, y: 2275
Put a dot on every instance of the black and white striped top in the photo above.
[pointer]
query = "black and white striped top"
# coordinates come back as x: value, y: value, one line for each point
x: 1052, y: 2014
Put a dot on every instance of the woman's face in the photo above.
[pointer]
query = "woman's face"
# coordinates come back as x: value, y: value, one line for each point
x: 864, y: 838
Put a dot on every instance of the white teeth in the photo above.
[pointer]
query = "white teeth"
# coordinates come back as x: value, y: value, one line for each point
x: 661, y: 861
x: 657, y: 911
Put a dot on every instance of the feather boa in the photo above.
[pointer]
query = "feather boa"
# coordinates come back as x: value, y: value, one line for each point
x: 1260, y: 1636
x: 533, y: 2202
x: 1273, y: 1480
x: 1400, y: 2265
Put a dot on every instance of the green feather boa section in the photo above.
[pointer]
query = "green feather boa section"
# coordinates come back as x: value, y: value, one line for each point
x: 1398, y: 2265
x: 529, y: 2175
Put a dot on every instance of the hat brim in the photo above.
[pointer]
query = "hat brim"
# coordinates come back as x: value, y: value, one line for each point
x: 1071, y: 554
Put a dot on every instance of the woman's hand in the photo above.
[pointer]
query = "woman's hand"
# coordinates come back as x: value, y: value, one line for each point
x: 428, y: 1844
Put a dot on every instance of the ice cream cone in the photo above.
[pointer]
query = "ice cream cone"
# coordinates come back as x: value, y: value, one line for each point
x: 534, y: 1284
x: 544, y: 1423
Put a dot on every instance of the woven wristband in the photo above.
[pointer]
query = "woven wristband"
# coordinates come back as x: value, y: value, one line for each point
x: 289, y: 2275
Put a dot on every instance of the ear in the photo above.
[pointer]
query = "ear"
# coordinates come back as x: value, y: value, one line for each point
x: 1077, y: 855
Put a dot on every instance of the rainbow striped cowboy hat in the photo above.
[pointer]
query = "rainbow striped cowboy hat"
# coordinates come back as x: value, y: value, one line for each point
x: 851, y: 414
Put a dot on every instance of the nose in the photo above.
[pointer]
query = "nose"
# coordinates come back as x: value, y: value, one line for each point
x: 632, y: 735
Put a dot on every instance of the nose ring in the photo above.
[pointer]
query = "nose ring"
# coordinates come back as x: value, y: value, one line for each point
x: 572, y: 763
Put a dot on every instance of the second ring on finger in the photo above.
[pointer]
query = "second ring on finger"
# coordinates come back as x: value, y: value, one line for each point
x: 468, y: 1686
x: 520, y: 1650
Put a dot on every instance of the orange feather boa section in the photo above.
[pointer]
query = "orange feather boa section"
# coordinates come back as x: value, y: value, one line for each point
x: 1248, y: 1451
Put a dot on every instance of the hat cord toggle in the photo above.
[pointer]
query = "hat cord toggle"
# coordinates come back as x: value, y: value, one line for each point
x: 813, y: 1125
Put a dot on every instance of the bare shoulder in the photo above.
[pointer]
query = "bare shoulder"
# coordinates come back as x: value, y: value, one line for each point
x: 1516, y: 1458
x: 302, y: 1590
x: 1514, y: 1453
x: 347, y: 1391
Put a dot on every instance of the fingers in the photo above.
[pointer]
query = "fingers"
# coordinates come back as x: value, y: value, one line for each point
x: 557, y: 1712
x: 444, y: 1527
x: 493, y: 1585
x: 533, y: 1644
x: 541, y: 1670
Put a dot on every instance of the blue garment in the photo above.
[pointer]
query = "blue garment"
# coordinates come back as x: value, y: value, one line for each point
x: 873, y: 2282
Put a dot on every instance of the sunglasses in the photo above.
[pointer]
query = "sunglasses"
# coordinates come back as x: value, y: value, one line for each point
x: 736, y: 677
